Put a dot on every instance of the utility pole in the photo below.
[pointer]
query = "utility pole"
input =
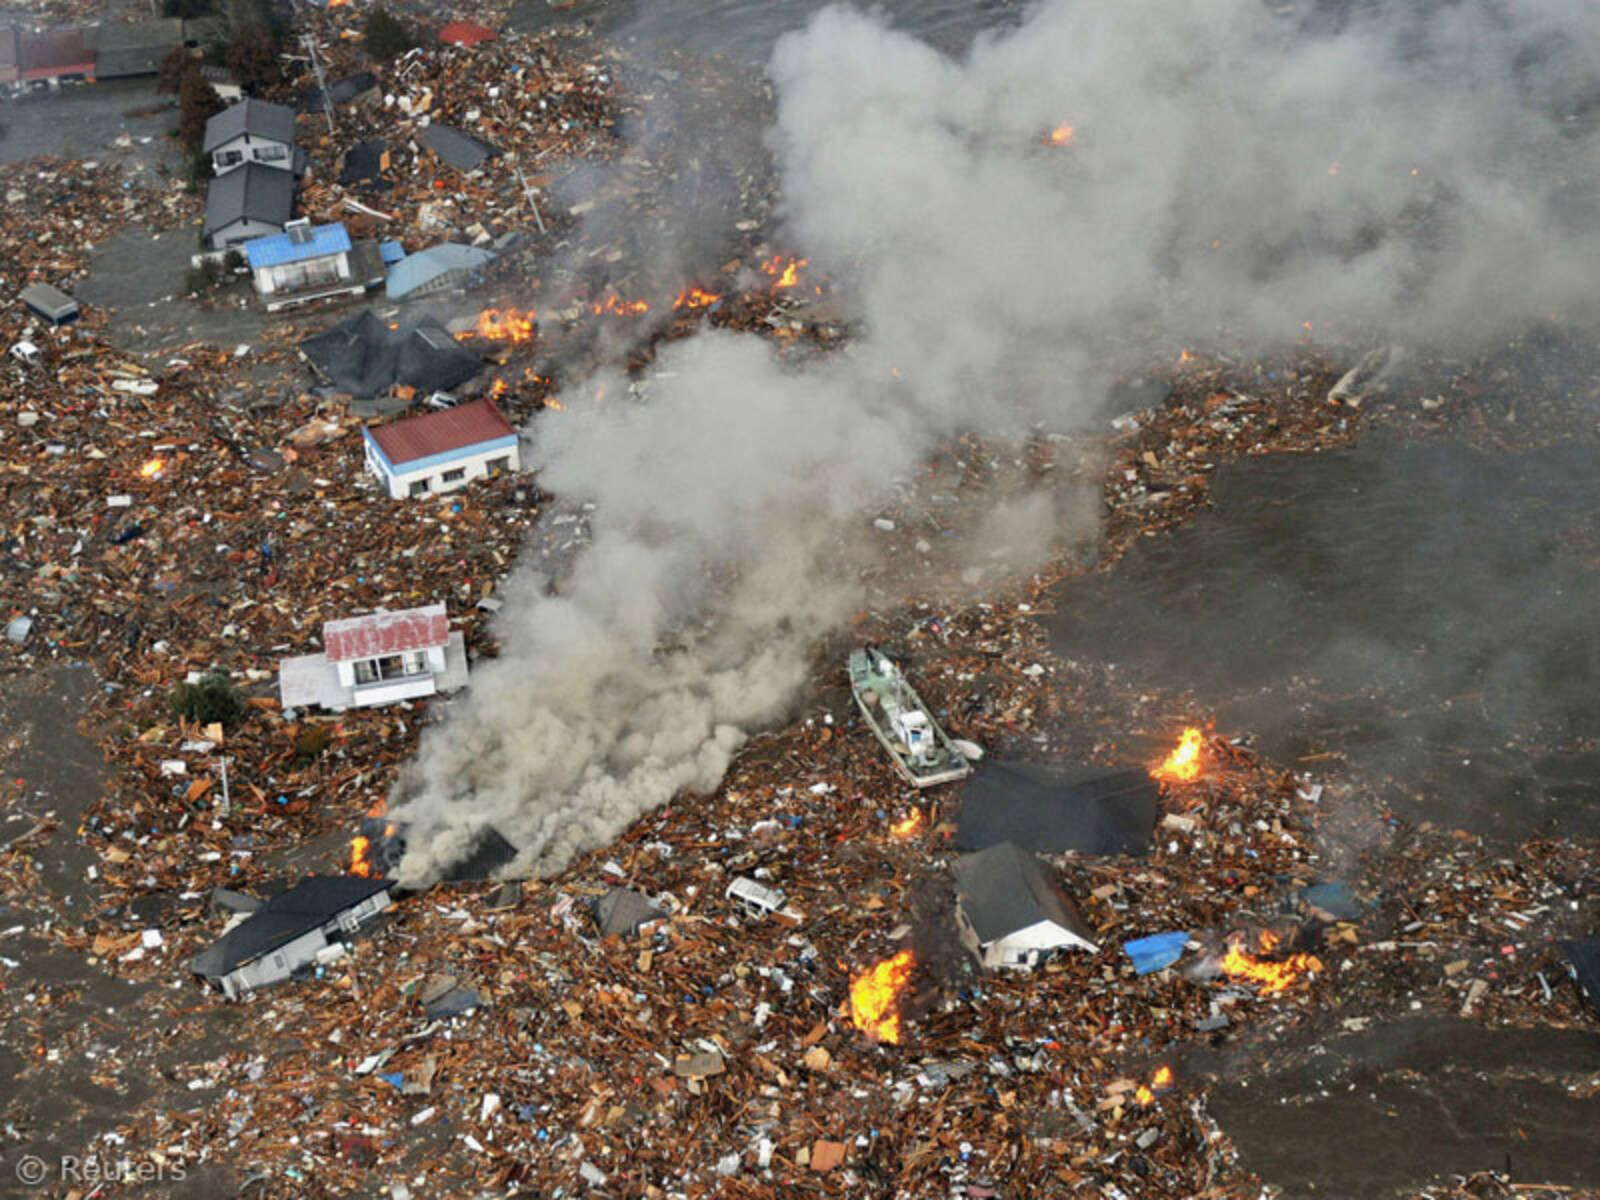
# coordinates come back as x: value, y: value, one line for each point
x: 528, y: 192
x: 227, y: 804
x: 316, y: 66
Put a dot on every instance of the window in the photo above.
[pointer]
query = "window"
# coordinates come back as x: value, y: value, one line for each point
x: 391, y: 666
x: 495, y: 465
x: 278, y: 961
x: 270, y: 153
x: 230, y: 158
x: 419, y: 488
x: 455, y: 476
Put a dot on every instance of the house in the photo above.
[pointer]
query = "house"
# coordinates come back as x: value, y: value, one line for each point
x: 364, y: 165
x: 222, y: 82
x: 50, y: 303
x: 465, y: 33
x: 441, y: 451
x: 364, y: 357
x: 457, y: 149
x: 292, y: 932
x: 1055, y: 809
x: 436, y: 269
x: 52, y: 56
x: 130, y: 48
x: 621, y: 911
x: 251, y: 202
x: 381, y: 658
x: 251, y: 131
x: 1011, y: 911
x: 306, y: 263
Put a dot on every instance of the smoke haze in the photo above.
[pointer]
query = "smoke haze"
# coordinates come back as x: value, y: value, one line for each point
x: 1231, y: 174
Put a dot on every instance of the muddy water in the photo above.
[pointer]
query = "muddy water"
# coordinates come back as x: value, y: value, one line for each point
x: 1422, y: 614
x: 123, y: 123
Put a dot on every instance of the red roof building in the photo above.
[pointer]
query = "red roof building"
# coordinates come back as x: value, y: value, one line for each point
x: 382, y: 634
x: 466, y: 33
x: 445, y: 432
x: 54, y: 55
x: 10, y: 54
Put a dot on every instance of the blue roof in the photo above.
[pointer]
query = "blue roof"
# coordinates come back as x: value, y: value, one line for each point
x: 295, y: 245
x: 391, y: 252
x: 424, y: 266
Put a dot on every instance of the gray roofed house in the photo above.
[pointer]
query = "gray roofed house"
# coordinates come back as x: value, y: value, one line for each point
x: 128, y: 48
x: 51, y: 303
x: 435, y: 269
x: 621, y: 911
x: 290, y: 931
x: 1011, y: 910
x: 254, y: 201
x: 251, y: 131
x: 460, y: 150
x: 1051, y: 809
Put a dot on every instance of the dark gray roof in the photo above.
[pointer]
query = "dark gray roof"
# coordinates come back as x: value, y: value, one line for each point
x: 460, y: 150
x: 622, y: 911
x: 1004, y: 889
x: 255, y: 117
x: 364, y: 357
x: 1053, y: 809
x: 258, y: 192
x: 342, y: 91
x: 1584, y: 954
x: 363, y: 164
x: 163, y: 32
x: 304, y: 907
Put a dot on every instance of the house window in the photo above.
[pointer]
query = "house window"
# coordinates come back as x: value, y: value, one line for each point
x: 230, y: 158
x: 270, y: 154
x: 495, y: 465
x: 455, y: 476
x: 278, y: 961
x: 419, y: 487
x: 391, y: 666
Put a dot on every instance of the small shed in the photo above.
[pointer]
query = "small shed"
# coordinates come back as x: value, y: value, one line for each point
x: 436, y: 269
x: 52, y: 304
x: 441, y: 451
x: 1012, y: 912
x: 465, y: 33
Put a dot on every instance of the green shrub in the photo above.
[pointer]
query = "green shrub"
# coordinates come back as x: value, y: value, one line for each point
x: 387, y: 36
x: 213, y: 699
x: 309, y: 744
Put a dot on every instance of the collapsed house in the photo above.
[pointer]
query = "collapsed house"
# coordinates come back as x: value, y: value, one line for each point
x: 622, y: 912
x: 454, y: 148
x: 381, y: 658
x: 1583, y: 954
x: 291, y: 933
x: 1011, y: 911
x: 364, y: 357
x: 1057, y: 809
x: 380, y: 844
x: 365, y: 164
x: 442, y: 451
x: 124, y: 49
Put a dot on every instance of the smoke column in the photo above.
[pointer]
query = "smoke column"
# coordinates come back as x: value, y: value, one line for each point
x: 1424, y: 171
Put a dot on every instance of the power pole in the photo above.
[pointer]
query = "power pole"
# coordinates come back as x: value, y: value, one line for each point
x: 227, y: 804
x: 528, y: 192
x: 316, y: 66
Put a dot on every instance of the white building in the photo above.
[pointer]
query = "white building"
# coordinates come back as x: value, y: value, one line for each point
x: 251, y: 131
x: 441, y: 451
x: 1010, y: 910
x: 380, y: 658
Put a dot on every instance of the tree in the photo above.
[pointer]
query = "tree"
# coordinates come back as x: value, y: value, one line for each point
x: 198, y: 102
x: 212, y: 700
x: 253, y: 59
x: 386, y: 35
x: 169, y: 76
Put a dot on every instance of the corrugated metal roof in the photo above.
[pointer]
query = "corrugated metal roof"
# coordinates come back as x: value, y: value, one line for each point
x: 297, y: 245
x: 440, y: 432
x: 383, y: 633
x: 425, y: 266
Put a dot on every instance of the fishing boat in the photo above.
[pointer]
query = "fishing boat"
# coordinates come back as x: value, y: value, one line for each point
x: 919, y: 749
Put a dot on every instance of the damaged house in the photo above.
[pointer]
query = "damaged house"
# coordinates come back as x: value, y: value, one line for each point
x: 364, y: 357
x: 1011, y: 911
x: 291, y: 933
x: 441, y: 451
x: 381, y: 658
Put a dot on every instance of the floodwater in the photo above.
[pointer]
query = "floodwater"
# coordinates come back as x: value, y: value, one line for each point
x: 1420, y: 614
x: 123, y: 122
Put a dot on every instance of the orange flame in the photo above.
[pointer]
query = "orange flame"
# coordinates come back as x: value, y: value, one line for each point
x: 1061, y: 135
x: 1271, y: 977
x: 875, y: 997
x: 1184, y: 764
x: 500, y: 388
x: 1159, y: 1082
x: 785, y: 270
x: 1186, y: 356
x: 360, y: 864
x: 153, y: 468
x: 694, y: 297
x: 502, y: 325
x: 552, y: 402
x: 617, y: 306
x: 909, y: 826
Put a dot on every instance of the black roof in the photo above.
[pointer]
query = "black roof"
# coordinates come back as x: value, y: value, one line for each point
x: 258, y: 118
x: 342, y: 91
x: 306, y: 906
x: 1004, y: 889
x: 254, y: 192
x: 460, y: 150
x: 364, y: 357
x: 1054, y: 809
x: 363, y: 164
x: 622, y: 911
x: 1584, y: 954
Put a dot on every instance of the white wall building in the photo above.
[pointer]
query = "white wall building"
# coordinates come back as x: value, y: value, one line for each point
x: 251, y: 131
x: 442, y: 451
x: 380, y: 658
x: 1011, y: 912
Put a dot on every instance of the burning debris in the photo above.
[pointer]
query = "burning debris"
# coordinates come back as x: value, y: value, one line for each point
x: 909, y: 826
x: 512, y: 325
x: 695, y: 297
x: 1159, y: 1082
x: 1187, y: 760
x: 1269, y: 975
x: 1061, y: 135
x: 784, y: 269
x: 615, y: 306
x: 875, y: 997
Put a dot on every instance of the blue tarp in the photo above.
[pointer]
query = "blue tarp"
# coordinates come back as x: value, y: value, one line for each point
x: 1156, y: 951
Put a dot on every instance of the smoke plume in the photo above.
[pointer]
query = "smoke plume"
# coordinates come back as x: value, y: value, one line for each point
x: 1005, y: 223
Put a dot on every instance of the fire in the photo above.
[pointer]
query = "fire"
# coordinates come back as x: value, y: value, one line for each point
x: 153, y: 468
x: 512, y: 325
x: 500, y: 388
x: 1271, y: 977
x: 1186, y: 356
x: 909, y: 826
x: 1159, y: 1082
x: 785, y: 270
x: 695, y: 297
x: 875, y: 997
x: 360, y: 864
x: 1184, y: 764
x: 552, y: 402
x: 617, y: 306
x: 1061, y: 135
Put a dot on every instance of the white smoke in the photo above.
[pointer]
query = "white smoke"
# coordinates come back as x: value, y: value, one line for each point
x: 1422, y: 170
